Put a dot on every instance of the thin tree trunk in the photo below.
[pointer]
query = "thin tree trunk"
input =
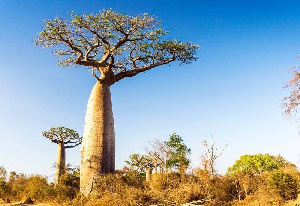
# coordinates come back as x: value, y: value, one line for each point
x: 60, y: 162
x: 148, y: 174
x: 98, y: 144
x: 182, y: 172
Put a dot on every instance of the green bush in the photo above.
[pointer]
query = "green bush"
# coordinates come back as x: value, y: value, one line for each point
x: 68, y: 188
x: 134, y: 178
x: 285, y: 184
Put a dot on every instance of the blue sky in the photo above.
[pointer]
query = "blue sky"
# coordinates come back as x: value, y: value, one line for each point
x: 232, y: 92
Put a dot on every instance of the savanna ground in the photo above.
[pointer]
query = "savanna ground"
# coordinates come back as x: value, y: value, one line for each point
x: 260, y: 179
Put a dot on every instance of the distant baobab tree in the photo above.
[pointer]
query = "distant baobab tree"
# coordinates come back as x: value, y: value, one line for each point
x: 112, y: 46
x: 65, y: 138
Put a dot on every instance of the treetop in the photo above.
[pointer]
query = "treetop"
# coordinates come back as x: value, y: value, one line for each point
x: 59, y: 135
x: 111, y: 42
x: 258, y: 163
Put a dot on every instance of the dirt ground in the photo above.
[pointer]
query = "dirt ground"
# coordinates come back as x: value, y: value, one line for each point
x: 20, y: 204
x: 288, y: 203
x: 294, y: 202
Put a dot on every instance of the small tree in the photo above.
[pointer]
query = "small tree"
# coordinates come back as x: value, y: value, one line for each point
x: 65, y: 138
x: 141, y: 164
x: 158, y: 154
x: 211, y: 154
x: 179, y: 153
x: 113, y: 46
x: 137, y: 162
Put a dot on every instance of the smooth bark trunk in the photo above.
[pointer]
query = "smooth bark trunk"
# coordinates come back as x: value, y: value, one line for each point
x: 182, y: 172
x: 148, y: 174
x: 98, y: 144
x: 60, y: 162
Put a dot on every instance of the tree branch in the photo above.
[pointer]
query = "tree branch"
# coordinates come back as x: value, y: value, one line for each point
x: 138, y: 70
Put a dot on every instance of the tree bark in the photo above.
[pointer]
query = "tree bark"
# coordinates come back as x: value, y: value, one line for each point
x: 98, y: 144
x: 60, y: 162
x: 182, y: 172
x: 148, y: 174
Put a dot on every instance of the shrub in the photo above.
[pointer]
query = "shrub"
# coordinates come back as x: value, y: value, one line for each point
x: 158, y: 182
x: 225, y: 189
x: 68, y: 188
x: 134, y: 178
x: 285, y: 184
x: 4, y: 190
x: 115, y: 190
x: 35, y: 187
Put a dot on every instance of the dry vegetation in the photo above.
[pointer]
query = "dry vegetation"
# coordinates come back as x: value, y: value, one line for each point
x: 278, y: 186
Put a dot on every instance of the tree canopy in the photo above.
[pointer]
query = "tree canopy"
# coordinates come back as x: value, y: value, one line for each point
x: 178, y: 152
x: 256, y: 164
x: 113, y: 44
x: 139, y: 162
x: 58, y: 135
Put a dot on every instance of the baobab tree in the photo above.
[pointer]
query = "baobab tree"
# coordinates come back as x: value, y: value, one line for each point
x: 112, y: 46
x: 141, y: 164
x: 65, y: 138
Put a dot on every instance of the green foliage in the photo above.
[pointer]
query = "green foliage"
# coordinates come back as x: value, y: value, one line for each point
x: 285, y: 184
x: 65, y: 135
x: 134, y: 178
x: 178, y: 152
x: 172, y: 154
x: 256, y: 164
x: 68, y: 188
x: 138, y: 162
x: 128, y: 42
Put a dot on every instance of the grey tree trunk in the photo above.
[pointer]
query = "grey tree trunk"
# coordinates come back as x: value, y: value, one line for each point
x: 98, y: 144
x: 148, y: 174
x: 60, y: 162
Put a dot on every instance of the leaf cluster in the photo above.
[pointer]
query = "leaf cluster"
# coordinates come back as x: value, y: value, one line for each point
x: 110, y: 39
x: 69, y: 137
x: 178, y: 152
x: 139, y: 162
x: 256, y: 164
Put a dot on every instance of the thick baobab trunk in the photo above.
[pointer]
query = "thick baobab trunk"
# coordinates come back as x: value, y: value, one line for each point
x: 98, y: 144
x: 148, y: 174
x: 60, y: 162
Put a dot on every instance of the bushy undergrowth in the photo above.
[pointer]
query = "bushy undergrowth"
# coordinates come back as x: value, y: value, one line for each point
x: 131, y: 188
x: 37, y: 187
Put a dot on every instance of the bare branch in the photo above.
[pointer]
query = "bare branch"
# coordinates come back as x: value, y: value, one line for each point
x: 126, y: 45
x: 138, y: 70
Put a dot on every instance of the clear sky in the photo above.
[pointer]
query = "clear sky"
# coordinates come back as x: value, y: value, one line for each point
x: 232, y: 92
